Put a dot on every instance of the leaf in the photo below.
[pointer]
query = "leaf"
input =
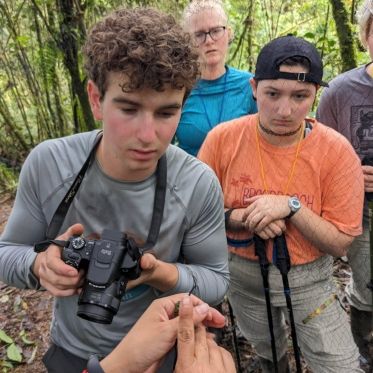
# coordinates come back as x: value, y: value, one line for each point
x: 27, y: 341
x: 6, y: 364
x: 13, y: 353
x: 309, y: 35
x: 23, y: 40
x: 331, y: 43
x: 5, y: 337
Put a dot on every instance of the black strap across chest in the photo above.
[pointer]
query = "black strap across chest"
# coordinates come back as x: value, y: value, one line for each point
x: 158, y: 205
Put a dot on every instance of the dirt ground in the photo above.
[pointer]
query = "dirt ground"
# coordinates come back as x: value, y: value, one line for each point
x: 25, y: 317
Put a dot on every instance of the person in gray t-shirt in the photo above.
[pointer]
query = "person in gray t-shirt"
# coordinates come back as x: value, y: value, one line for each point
x: 347, y: 106
x: 140, y: 66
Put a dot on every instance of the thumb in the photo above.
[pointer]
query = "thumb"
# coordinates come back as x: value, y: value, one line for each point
x: 148, y: 261
x: 74, y: 230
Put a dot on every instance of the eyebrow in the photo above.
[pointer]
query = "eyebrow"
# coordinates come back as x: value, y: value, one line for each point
x: 122, y: 100
x: 293, y: 90
x: 208, y: 29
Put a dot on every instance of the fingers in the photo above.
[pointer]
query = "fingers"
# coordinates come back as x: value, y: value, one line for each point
x: 215, y: 355
x: 215, y: 319
x: 228, y: 362
x: 55, y: 264
x: 202, y: 312
x: 59, y: 278
x: 367, y: 170
x: 185, y: 334
x: 273, y: 229
x: 201, y: 348
x: 368, y: 178
x: 53, y: 258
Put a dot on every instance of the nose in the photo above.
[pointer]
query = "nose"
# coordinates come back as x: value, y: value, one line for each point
x: 208, y: 39
x: 284, y: 108
x: 147, y: 132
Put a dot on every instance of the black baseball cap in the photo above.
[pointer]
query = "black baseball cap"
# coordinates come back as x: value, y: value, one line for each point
x: 278, y: 50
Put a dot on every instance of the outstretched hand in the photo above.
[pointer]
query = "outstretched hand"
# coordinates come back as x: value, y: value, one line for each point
x: 155, y: 333
x: 197, y: 350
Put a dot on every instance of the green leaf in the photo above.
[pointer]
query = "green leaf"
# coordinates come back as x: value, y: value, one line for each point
x: 23, y: 40
x: 27, y: 341
x: 6, y: 365
x: 5, y: 337
x: 13, y: 353
x: 331, y: 43
x: 309, y: 35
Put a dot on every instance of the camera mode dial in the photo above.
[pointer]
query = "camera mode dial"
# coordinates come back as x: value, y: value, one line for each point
x: 78, y: 243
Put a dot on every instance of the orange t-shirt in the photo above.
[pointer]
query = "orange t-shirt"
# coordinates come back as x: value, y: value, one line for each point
x: 327, y: 178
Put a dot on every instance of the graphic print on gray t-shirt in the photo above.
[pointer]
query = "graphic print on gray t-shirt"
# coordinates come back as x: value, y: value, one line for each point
x: 362, y: 129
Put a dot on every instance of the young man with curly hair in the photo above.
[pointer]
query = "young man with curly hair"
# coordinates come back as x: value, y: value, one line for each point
x: 140, y: 66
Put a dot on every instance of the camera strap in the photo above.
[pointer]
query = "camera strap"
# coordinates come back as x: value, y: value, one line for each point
x: 158, y: 206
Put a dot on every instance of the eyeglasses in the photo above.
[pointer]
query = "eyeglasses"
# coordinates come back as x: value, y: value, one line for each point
x: 215, y: 33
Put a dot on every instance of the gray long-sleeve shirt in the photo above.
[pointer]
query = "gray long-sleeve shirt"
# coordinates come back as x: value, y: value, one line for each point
x: 192, y: 227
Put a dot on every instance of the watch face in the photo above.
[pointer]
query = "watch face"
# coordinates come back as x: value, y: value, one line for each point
x: 295, y: 204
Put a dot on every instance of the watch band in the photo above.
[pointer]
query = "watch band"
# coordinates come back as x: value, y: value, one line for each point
x: 291, y: 214
x: 93, y: 365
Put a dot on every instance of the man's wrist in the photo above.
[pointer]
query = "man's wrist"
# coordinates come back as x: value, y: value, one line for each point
x: 165, y: 277
x: 227, y: 215
x: 233, y: 220
x: 294, y: 206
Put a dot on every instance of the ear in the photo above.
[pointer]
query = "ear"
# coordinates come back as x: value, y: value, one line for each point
x: 254, y: 86
x: 94, y: 99
x: 230, y: 35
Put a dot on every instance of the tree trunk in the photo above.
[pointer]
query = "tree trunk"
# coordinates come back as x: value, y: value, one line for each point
x: 70, y: 43
x: 345, y: 36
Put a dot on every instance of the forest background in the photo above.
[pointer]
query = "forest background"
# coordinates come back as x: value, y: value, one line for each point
x: 42, y: 81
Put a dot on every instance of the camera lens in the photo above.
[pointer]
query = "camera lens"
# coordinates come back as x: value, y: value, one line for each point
x: 98, y: 305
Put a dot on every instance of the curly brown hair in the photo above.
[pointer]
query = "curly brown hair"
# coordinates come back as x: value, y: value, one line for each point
x: 146, y: 46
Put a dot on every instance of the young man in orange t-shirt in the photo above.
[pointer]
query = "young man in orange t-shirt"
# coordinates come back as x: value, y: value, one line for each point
x: 282, y: 172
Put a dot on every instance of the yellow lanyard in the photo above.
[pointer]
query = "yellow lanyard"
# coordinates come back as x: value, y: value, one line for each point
x: 262, y: 174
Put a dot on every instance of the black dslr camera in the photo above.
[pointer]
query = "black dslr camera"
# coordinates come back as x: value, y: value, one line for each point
x: 109, y: 264
x: 368, y: 161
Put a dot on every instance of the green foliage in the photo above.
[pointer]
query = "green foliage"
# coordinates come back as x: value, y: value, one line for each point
x: 38, y: 97
x: 13, y: 350
x: 8, y: 182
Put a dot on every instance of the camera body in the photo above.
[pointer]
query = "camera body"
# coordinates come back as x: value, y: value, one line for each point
x: 109, y: 263
x: 368, y: 161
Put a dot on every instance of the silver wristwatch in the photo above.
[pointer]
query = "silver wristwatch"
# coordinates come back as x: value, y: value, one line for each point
x: 294, y: 205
